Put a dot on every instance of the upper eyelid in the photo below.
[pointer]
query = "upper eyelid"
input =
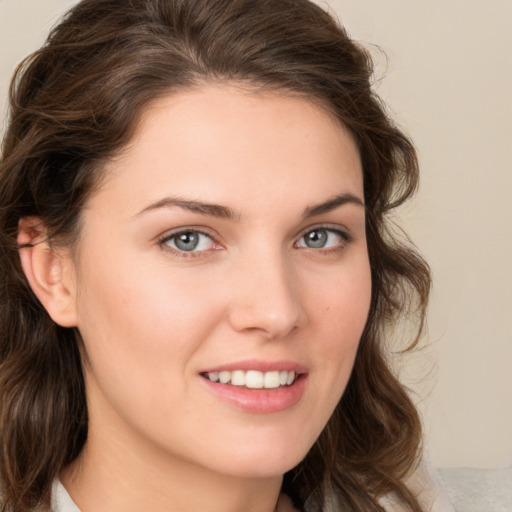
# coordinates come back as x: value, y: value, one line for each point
x: 346, y: 239
x: 162, y: 240
x: 166, y: 235
x: 337, y: 228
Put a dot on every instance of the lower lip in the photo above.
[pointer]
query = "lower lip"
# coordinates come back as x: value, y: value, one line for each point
x: 260, y: 401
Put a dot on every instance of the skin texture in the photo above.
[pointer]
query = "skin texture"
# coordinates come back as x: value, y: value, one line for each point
x: 153, y: 318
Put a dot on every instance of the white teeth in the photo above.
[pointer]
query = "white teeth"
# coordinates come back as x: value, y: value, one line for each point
x: 224, y: 377
x: 254, y: 379
x: 271, y: 380
x: 238, y: 378
x: 213, y: 376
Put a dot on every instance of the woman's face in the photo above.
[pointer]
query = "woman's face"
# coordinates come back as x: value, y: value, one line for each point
x: 222, y: 282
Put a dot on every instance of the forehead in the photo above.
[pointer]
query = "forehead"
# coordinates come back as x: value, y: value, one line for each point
x: 224, y: 144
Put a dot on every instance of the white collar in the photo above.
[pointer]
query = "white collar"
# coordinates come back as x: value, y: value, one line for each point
x: 61, y: 500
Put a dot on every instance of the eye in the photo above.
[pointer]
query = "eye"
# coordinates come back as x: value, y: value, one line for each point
x: 189, y: 241
x: 323, y: 238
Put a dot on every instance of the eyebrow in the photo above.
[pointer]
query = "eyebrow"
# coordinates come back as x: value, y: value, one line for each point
x: 332, y: 204
x: 209, y: 209
x: 225, y: 212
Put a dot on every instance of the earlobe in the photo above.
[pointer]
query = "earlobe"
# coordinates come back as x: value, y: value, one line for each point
x: 47, y: 271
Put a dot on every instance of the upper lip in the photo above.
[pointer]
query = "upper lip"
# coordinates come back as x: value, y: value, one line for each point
x: 259, y: 365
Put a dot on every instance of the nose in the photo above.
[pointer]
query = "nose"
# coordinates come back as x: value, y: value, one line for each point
x: 266, y: 299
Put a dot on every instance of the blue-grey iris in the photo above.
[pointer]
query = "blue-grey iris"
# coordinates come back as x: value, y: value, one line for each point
x: 316, y: 239
x: 187, y: 241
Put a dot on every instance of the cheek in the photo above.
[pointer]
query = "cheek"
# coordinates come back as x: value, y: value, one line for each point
x: 136, y: 294
x: 343, y: 303
x: 142, y: 325
x: 141, y: 335
x: 341, y: 312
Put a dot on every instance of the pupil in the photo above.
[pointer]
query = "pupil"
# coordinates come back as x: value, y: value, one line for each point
x: 187, y: 241
x: 316, y: 239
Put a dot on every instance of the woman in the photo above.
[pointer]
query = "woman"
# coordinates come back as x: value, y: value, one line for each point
x: 197, y: 268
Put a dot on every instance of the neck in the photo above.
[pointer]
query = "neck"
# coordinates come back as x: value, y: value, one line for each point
x: 107, y: 477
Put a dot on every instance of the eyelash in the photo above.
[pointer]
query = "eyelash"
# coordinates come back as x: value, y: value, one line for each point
x: 345, y: 237
x: 163, y: 242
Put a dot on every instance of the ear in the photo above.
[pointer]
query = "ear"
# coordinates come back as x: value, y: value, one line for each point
x: 49, y: 271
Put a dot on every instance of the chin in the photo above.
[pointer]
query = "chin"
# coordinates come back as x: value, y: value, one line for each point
x: 263, y: 462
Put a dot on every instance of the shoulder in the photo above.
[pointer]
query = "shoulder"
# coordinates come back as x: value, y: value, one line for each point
x: 426, y: 485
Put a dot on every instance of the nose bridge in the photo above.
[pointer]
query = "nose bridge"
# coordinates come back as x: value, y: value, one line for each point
x: 267, y: 296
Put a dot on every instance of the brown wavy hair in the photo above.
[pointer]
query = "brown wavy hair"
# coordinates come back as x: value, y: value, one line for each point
x: 76, y: 101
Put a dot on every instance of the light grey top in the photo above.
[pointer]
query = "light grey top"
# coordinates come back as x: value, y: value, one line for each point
x: 477, y: 489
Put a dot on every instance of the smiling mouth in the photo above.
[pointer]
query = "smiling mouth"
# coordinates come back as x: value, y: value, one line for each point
x: 253, y: 379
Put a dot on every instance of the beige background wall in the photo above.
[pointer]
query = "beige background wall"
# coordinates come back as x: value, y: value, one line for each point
x: 448, y: 80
